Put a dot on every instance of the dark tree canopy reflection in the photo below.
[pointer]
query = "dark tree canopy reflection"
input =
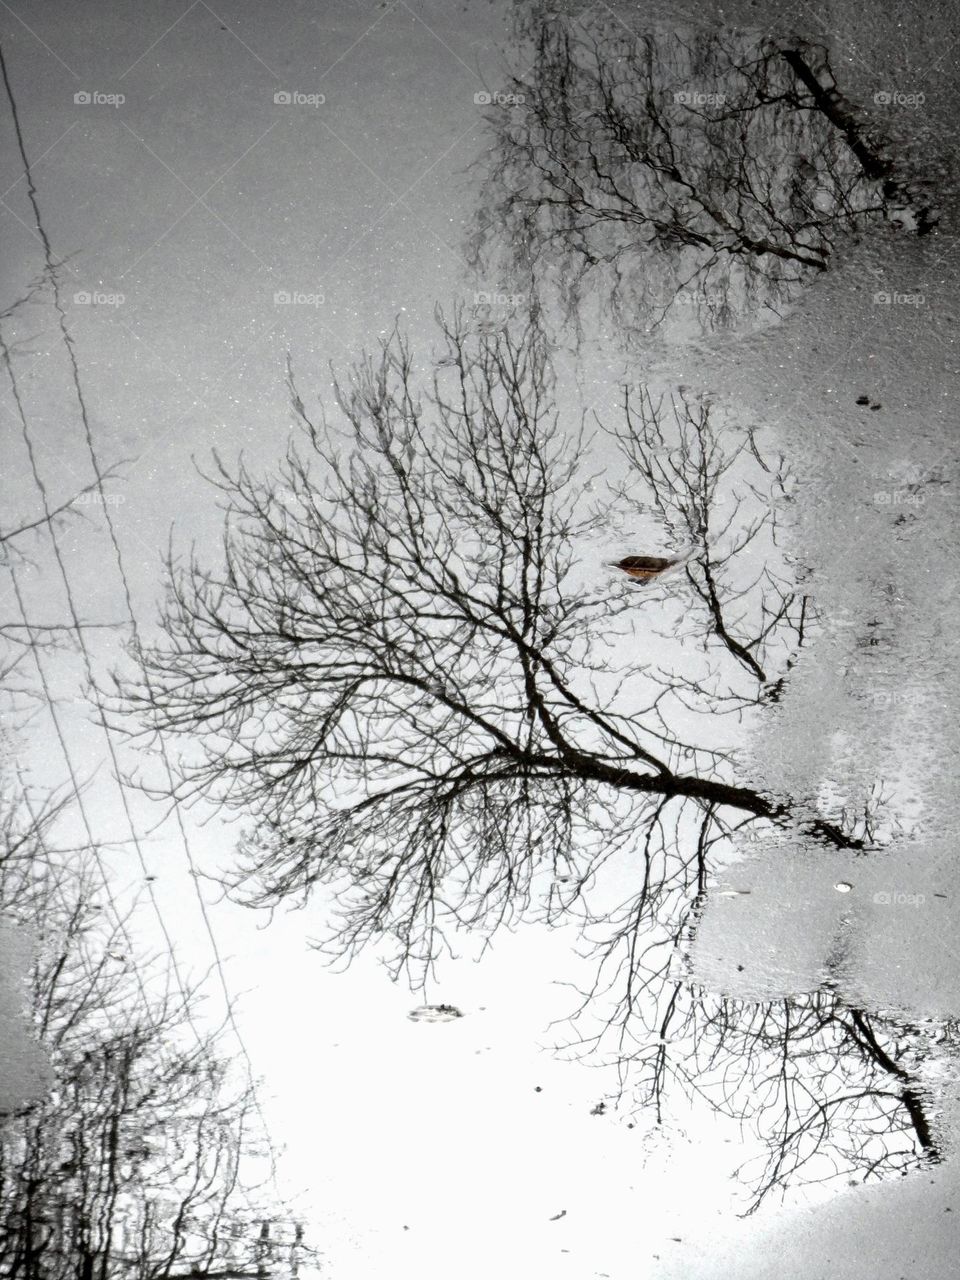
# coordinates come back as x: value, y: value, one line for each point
x: 146, y: 1160
x: 674, y: 174
x: 833, y: 1093
x: 400, y: 675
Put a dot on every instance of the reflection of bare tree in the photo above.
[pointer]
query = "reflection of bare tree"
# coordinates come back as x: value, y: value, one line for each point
x: 707, y: 169
x: 399, y: 677
x: 822, y: 1085
x: 714, y: 492
x: 402, y: 680
x: 138, y: 1162
x: 832, y: 1092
